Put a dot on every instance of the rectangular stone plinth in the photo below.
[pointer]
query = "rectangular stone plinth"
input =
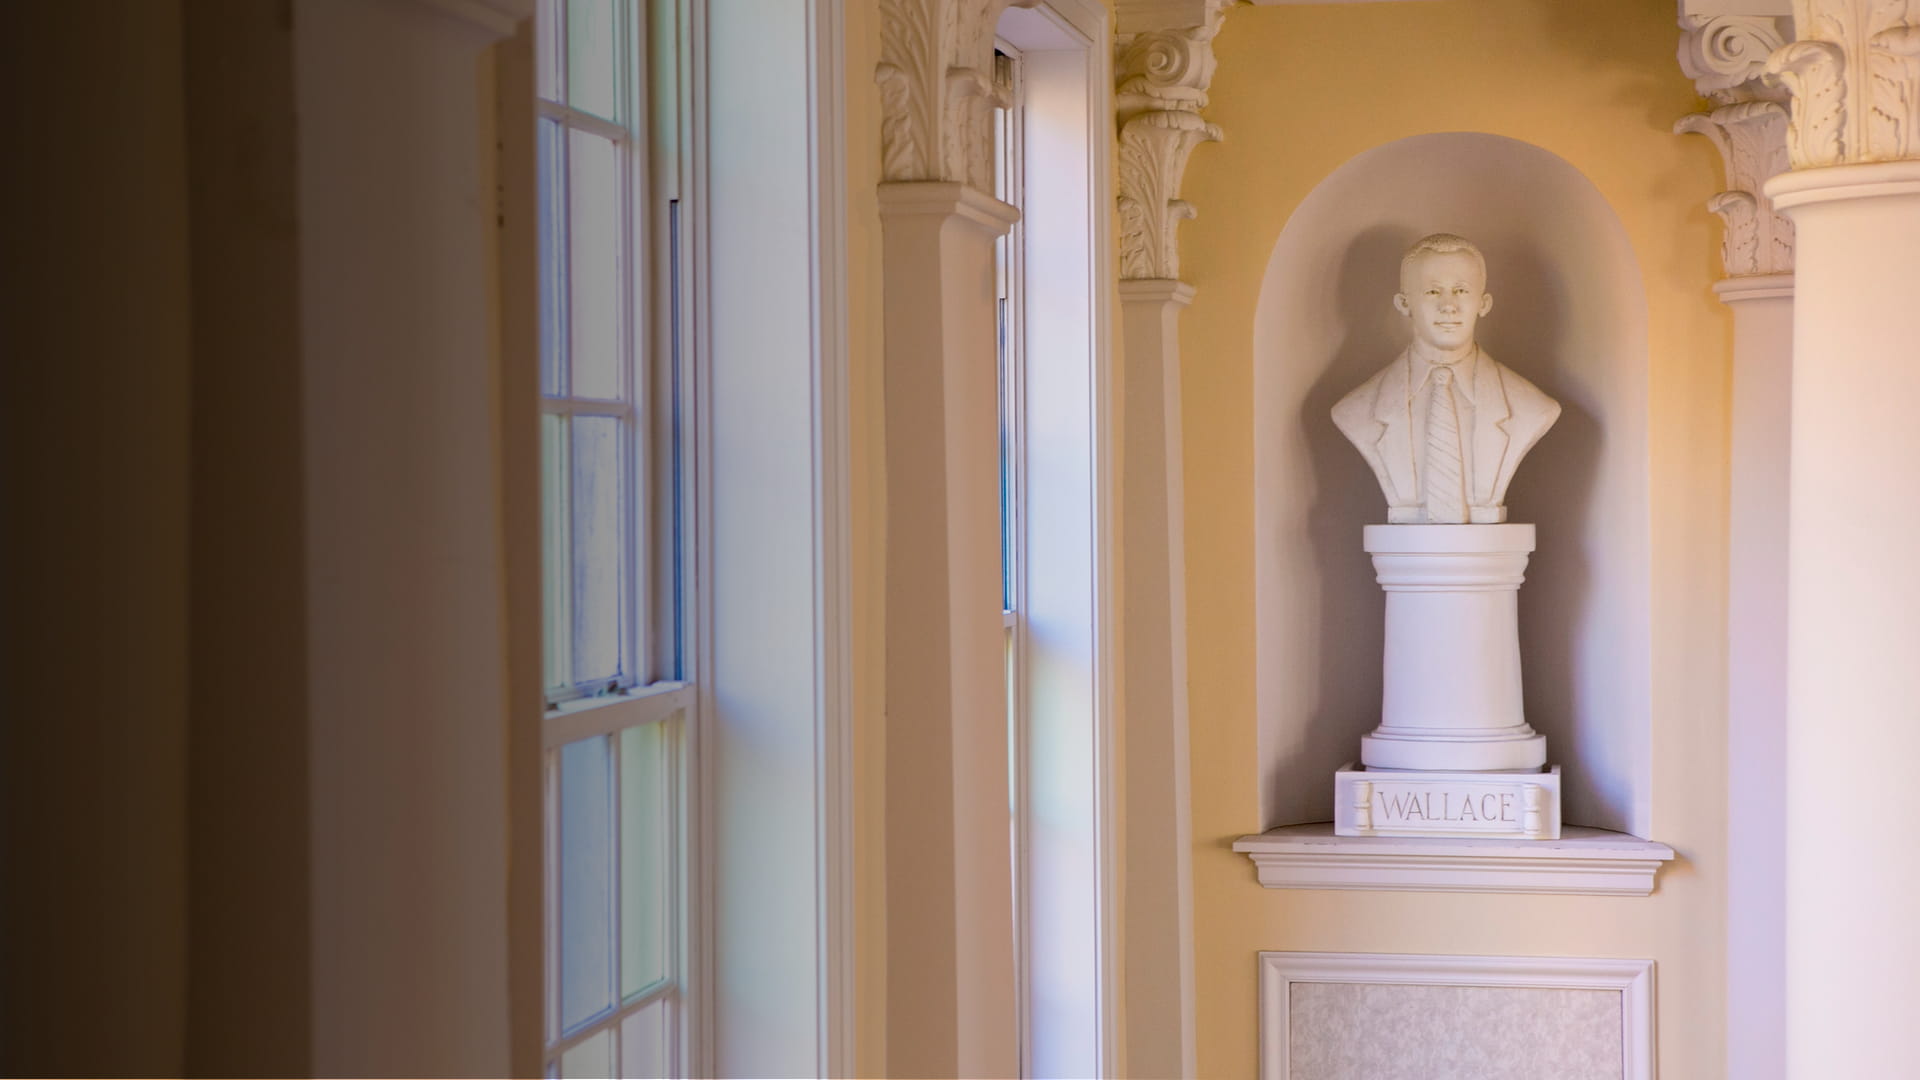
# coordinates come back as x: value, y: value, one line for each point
x: 1517, y: 805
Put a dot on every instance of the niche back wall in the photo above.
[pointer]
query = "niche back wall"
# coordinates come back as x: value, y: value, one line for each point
x: 1569, y: 314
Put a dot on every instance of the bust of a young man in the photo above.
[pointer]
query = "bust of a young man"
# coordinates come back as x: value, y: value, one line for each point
x: 1444, y: 425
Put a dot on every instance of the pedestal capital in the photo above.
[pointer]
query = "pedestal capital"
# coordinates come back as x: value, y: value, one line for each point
x: 1164, y: 65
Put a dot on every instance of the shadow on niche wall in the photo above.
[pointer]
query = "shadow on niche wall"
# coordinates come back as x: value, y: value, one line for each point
x: 1564, y: 317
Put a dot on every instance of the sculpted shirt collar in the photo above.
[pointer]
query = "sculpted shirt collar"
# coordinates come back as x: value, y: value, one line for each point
x: 1421, y: 372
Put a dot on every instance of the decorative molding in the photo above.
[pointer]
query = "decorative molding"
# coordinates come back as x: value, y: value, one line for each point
x: 1733, y: 290
x: 937, y: 89
x: 1854, y: 78
x: 1871, y: 180
x: 1583, y: 861
x: 1752, y: 139
x: 1726, y: 56
x: 1162, y: 72
x: 1632, y: 979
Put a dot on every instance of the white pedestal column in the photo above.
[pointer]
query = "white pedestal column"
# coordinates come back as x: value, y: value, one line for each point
x: 1451, y: 670
x: 1853, y: 637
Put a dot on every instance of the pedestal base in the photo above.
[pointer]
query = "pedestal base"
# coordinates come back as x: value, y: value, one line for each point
x: 1520, y: 749
x: 1515, y: 805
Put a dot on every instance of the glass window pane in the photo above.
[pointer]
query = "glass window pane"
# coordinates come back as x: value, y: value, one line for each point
x: 598, y: 544
x: 586, y: 880
x: 643, y: 1042
x: 553, y: 256
x: 555, y: 555
x: 592, y: 1059
x: 645, y: 840
x: 595, y: 228
x: 593, y: 56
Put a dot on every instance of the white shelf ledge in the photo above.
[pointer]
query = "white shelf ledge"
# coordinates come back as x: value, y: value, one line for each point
x: 1585, y: 861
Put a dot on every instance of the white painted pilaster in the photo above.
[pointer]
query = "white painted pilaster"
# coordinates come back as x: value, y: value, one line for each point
x: 952, y: 997
x: 1164, y: 65
x: 1762, y: 308
x: 1159, y: 860
x: 1725, y: 53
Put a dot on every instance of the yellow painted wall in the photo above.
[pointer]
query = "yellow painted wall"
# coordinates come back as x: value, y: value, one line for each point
x: 1301, y: 90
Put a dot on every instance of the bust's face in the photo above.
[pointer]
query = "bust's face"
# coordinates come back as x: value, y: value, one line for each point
x: 1444, y: 294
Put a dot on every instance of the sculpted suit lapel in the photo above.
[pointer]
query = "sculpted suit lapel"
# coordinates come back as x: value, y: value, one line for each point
x: 1491, y: 411
x: 1395, y: 444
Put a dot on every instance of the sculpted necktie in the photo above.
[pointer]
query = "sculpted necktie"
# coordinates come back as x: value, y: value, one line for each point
x: 1442, y: 483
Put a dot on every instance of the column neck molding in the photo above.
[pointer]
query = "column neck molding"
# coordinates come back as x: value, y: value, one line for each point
x: 1733, y: 290
x: 938, y: 89
x: 1164, y: 65
x: 936, y: 198
x: 1854, y: 78
x: 1726, y: 57
x: 1156, y: 291
x: 1869, y: 180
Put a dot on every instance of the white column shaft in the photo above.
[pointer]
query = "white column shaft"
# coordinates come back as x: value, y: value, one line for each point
x: 951, y: 990
x: 1159, y: 879
x: 1762, y: 308
x: 1853, y: 669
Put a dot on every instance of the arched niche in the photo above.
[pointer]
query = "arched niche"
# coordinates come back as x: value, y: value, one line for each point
x: 1570, y: 314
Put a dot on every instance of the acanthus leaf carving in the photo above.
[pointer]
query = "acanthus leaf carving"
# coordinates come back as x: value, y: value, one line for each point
x: 1751, y: 138
x: 936, y: 89
x: 1163, y: 73
x: 1154, y: 146
x: 1854, y: 79
x: 1727, y: 57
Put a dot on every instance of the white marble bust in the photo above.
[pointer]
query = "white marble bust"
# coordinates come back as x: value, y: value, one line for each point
x: 1444, y: 425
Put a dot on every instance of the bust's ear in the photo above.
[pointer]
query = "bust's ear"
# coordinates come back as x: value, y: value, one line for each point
x: 1486, y: 303
x: 1400, y: 303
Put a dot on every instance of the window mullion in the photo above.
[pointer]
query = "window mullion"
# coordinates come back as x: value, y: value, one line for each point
x: 639, y: 632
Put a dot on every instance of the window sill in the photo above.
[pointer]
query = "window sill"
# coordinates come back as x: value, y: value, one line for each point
x: 1591, y: 862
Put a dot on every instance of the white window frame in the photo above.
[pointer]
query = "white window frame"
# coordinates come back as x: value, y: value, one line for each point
x: 1061, y: 622
x: 767, y: 947
x: 774, y: 948
x: 660, y: 550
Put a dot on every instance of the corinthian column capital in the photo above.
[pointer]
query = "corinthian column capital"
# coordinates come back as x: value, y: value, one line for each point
x: 1726, y: 56
x: 1164, y: 65
x: 937, y: 91
x: 1854, y: 77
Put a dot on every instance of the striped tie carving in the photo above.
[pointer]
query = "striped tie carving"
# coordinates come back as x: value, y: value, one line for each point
x: 1442, y: 484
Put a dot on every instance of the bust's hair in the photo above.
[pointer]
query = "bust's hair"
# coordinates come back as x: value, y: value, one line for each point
x: 1444, y: 244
